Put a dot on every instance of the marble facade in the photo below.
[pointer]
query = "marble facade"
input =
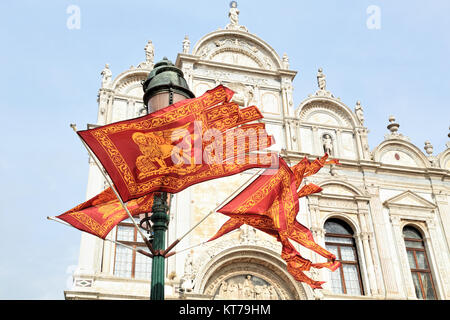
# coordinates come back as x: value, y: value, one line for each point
x: 376, y: 191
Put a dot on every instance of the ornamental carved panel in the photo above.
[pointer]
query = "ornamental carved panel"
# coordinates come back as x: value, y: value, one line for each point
x: 246, y: 287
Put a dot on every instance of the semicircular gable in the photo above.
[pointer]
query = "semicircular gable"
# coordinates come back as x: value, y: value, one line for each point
x: 129, y: 83
x: 237, y: 48
x: 400, y: 153
x: 444, y: 160
x: 339, y: 188
x: 326, y: 112
x: 237, y: 55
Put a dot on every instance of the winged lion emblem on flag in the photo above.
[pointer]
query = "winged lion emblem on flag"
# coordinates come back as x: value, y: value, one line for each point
x: 158, y: 146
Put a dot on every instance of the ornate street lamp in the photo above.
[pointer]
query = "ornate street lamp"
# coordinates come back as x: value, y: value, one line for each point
x: 164, y: 86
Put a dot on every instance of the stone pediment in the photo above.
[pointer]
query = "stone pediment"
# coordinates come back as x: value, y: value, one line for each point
x: 236, y: 47
x: 409, y: 199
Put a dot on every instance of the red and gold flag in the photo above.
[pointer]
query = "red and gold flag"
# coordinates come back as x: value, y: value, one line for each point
x: 103, y: 212
x: 270, y: 204
x: 165, y: 150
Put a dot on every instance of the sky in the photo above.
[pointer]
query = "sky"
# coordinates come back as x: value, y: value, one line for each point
x: 393, y: 56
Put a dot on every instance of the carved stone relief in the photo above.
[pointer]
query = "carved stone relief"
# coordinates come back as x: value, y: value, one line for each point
x: 236, y: 51
x: 337, y: 203
x: 250, y: 279
x: 201, y: 87
x: 242, y: 94
x: 130, y: 81
x: 241, y: 77
x: 247, y: 287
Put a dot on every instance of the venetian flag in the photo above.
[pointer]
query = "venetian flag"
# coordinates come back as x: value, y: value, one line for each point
x: 100, y: 214
x: 191, y: 141
x: 270, y: 204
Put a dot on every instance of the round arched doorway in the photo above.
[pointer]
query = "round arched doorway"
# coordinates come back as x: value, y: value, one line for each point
x: 250, y: 273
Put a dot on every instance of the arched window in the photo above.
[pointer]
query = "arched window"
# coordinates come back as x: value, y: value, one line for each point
x: 339, y: 240
x: 418, y: 262
x: 128, y: 263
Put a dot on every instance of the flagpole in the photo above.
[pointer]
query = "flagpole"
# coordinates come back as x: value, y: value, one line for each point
x: 119, y: 243
x: 238, y: 190
x: 92, y: 155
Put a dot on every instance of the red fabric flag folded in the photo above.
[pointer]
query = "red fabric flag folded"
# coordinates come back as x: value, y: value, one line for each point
x: 305, y: 168
x: 270, y: 204
x: 100, y: 214
x: 165, y: 150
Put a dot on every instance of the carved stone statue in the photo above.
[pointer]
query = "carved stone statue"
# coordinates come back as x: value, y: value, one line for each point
x: 106, y: 76
x: 256, y: 96
x: 285, y: 61
x: 327, y: 144
x: 232, y: 290
x: 359, y: 112
x: 188, y: 264
x: 243, y: 235
x: 223, y: 289
x: 265, y: 293
x: 248, y: 288
x: 149, y: 56
x: 243, y: 94
x: 234, y: 14
x: 186, y: 45
x: 149, y: 52
x: 273, y: 293
x: 252, y: 237
x: 257, y: 292
x: 321, y: 80
x: 143, y: 111
x: 187, y: 283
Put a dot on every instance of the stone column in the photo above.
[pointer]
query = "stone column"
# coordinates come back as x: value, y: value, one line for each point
x: 361, y: 249
x: 109, y: 108
x: 381, y: 229
x: 374, y: 252
x: 103, y: 99
x: 130, y: 109
x: 318, y: 233
x: 364, y: 143
x: 365, y: 239
x: 319, y: 237
x: 443, y: 210
x: 338, y: 143
x: 108, y: 254
x: 438, y: 263
x: 297, y: 135
x: 188, y: 71
x: 90, y: 246
x: 402, y: 256
x: 291, y: 138
x: 359, y: 144
x: 286, y: 95
x: 317, y: 145
x: 366, y: 236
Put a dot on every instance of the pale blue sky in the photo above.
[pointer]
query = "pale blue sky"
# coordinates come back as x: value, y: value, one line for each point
x: 50, y: 77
